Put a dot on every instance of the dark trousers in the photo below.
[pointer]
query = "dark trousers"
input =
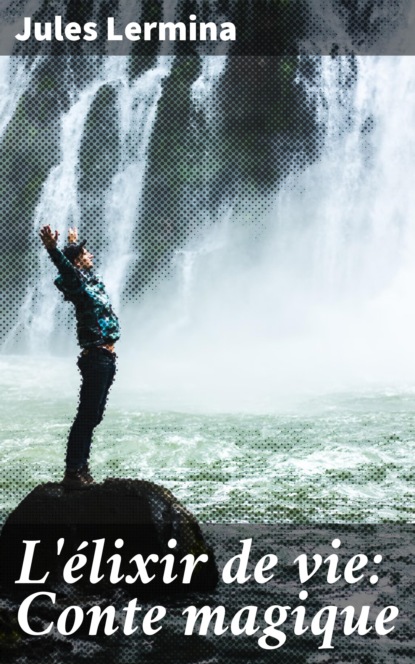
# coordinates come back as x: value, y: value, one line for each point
x: 97, y: 369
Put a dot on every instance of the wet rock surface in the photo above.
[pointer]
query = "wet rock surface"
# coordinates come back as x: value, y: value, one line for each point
x: 112, y: 524
x: 395, y: 587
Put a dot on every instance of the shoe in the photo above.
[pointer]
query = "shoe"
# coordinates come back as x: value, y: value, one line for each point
x: 87, y: 475
x: 77, y: 479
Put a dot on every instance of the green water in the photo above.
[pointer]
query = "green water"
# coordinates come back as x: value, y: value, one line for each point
x: 328, y: 458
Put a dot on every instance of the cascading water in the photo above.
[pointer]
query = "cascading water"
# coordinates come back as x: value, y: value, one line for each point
x: 322, y: 262
x: 59, y: 205
x: 204, y: 97
x: 306, y: 299
x: 15, y: 77
x: 42, y: 311
x: 315, y: 296
x: 138, y: 106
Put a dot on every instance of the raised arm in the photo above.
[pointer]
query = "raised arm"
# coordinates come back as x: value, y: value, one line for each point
x: 50, y: 240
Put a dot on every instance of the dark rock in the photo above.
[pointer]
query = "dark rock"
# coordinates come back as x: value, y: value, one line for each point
x: 145, y: 516
x: 9, y: 631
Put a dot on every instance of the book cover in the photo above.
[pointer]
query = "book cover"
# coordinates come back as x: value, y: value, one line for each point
x: 207, y: 426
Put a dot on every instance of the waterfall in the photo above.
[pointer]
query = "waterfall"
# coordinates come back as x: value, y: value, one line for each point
x: 15, y: 77
x: 316, y: 288
x: 349, y: 213
x: 138, y: 105
x: 320, y: 292
x: 43, y: 308
x: 341, y: 227
x: 204, y: 97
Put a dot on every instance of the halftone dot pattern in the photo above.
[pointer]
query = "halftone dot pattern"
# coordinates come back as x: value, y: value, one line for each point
x: 235, y: 141
x: 253, y: 126
x: 262, y: 28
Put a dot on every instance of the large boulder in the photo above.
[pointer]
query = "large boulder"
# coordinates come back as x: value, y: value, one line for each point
x: 134, y: 518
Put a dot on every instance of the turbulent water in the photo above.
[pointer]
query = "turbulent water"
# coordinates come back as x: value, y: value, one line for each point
x: 271, y: 379
x: 338, y: 457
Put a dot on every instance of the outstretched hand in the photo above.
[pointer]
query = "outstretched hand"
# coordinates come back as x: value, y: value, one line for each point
x: 72, y: 235
x: 48, y: 237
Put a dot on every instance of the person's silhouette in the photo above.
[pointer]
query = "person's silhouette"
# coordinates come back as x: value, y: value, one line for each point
x: 98, y: 330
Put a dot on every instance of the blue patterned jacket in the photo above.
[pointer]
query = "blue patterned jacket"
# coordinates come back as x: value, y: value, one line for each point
x: 97, y: 323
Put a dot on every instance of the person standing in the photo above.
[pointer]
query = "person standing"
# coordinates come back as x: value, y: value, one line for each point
x: 97, y: 330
